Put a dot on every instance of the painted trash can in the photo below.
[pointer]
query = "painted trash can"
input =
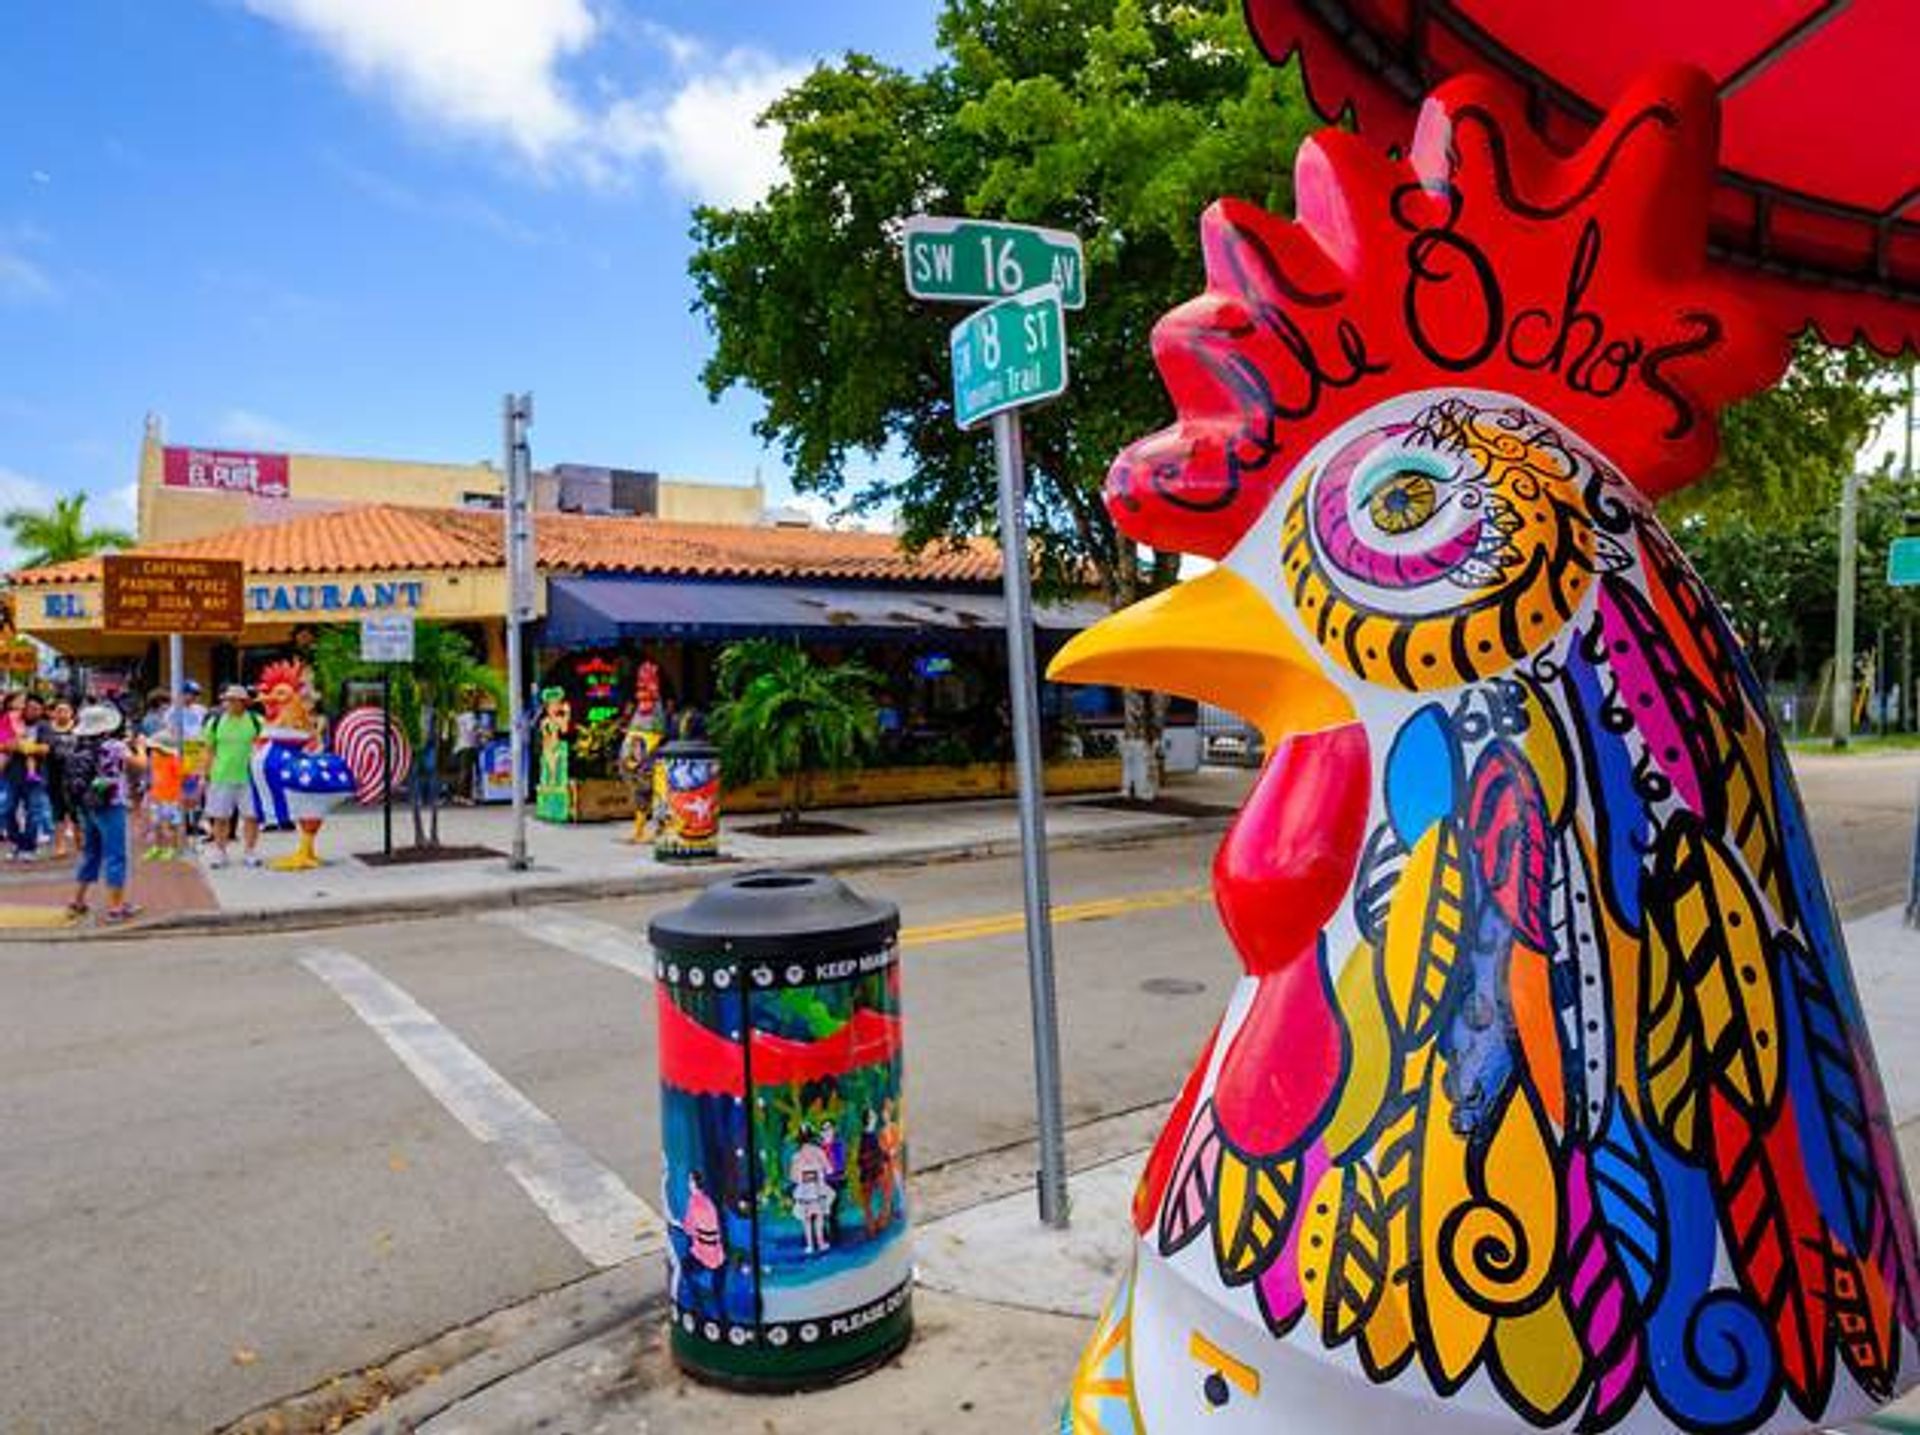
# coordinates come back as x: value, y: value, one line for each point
x: 686, y: 801
x: 784, y: 1174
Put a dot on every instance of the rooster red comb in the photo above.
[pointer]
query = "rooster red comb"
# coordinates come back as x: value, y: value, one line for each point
x: 288, y: 672
x: 1482, y: 260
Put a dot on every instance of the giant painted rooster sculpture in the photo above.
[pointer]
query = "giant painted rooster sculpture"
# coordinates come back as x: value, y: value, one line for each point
x: 296, y: 779
x: 1546, y: 1099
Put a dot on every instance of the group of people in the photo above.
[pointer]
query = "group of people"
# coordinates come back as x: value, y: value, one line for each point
x: 82, y: 779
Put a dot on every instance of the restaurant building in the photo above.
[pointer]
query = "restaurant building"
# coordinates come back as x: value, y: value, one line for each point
x: 614, y: 592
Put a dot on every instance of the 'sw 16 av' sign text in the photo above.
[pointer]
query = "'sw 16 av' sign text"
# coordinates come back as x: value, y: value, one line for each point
x: 150, y: 594
x: 975, y: 261
x: 1008, y: 356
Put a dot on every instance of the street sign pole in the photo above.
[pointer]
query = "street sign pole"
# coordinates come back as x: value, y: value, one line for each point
x: 1010, y: 460
x: 519, y: 520
x: 386, y: 761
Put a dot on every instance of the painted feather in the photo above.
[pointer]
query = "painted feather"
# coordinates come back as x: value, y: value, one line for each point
x: 1581, y: 985
x: 1863, y: 1324
x: 1710, y: 914
x: 1623, y: 823
x: 1507, y: 828
x: 1776, y: 1242
x: 1692, y: 622
x: 1655, y: 686
x: 1380, y: 867
x: 1157, y: 1174
x: 1422, y: 774
x: 1343, y: 1251
x: 1739, y: 803
x: 1629, y: 1201
x: 1602, y: 1301
x: 1817, y: 922
x: 1189, y: 1198
x: 1386, y: 1339
x: 1425, y: 931
x: 1253, y: 1212
x: 1669, y: 1066
x: 1825, y: 1094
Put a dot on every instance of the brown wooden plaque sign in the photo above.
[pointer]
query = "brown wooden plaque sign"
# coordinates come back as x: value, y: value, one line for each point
x: 151, y: 594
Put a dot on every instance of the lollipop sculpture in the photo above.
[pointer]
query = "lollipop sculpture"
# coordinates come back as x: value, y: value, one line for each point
x: 1546, y: 1099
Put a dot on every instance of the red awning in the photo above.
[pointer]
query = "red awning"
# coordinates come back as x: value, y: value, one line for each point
x: 1818, y: 202
x: 703, y: 1062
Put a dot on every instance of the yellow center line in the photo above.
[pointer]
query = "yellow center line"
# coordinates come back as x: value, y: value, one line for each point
x: 1001, y: 923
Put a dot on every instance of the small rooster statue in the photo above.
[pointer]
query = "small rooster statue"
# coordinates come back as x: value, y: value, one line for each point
x: 298, y: 781
x: 1546, y: 1100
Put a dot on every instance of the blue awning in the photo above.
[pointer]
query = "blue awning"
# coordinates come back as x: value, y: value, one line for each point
x: 606, y: 610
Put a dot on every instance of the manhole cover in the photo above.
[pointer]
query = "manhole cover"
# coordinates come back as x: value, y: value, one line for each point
x: 1172, y: 987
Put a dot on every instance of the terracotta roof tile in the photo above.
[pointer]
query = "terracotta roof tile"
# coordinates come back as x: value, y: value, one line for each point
x: 382, y: 538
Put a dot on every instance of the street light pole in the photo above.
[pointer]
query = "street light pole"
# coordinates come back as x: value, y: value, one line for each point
x: 1843, y: 623
x: 518, y: 414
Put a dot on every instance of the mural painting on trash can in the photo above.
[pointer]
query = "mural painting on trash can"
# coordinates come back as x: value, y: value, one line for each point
x: 1547, y: 1098
x: 686, y: 801
x: 817, y: 1184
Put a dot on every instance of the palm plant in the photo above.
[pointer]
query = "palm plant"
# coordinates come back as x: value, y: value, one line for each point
x: 60, y: 533
x: 782, y: 715
x: 426, y: 697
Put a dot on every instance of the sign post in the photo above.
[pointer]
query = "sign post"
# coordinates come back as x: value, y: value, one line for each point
x: 518, y: 415
x: 386, y: 640
x: 153, y: 595
x: 1009, y: 355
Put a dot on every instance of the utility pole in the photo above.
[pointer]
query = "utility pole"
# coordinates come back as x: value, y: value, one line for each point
x: 1843, y: 623
x: 517, y: 416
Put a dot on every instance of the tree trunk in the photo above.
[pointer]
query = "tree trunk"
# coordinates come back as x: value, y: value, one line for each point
x: 1144, y: 713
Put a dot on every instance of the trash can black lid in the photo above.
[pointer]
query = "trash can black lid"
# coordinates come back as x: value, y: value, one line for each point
x: 760, y: 913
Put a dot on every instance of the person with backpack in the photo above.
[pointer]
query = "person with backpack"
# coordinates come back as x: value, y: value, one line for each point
x: 230, y: 735
x: 97, y: 770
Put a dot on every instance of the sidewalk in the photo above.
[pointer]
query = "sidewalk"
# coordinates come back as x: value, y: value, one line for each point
x: 1002, y: 1306
x: 596, y: 860
x: 34, y: 896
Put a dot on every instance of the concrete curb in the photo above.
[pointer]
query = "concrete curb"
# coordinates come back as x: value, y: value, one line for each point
x: 562, y: 889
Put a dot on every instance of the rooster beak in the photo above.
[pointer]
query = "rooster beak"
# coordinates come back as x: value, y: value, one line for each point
x: 1217, y: 639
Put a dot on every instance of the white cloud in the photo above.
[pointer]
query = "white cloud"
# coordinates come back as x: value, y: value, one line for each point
x: 243, y: 428
x: 482, y: 67
x: 18, y: 491
x: 24, y: 282
x: 705, y: 133
x: 492, y: 70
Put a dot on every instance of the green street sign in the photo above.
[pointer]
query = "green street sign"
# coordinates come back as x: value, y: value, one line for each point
x: 1009, y: 355
x: 1903, y: 563
x: 975, y: 261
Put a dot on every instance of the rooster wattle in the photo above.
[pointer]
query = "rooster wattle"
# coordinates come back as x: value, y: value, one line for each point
x: 1546, y: 1099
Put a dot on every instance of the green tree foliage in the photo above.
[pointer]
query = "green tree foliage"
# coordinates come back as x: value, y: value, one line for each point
x: 1784, y: 453
x: 781, y: 715
x: 59, y: 534
x: 427, y: 697
x: 1118, y: 119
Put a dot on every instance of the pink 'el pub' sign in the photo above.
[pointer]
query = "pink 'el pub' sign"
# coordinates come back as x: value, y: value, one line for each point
x: 263, y: 475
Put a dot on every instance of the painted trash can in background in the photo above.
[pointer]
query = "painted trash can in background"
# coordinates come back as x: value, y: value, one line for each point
x: 686, y: 801
x: 784, y: 1181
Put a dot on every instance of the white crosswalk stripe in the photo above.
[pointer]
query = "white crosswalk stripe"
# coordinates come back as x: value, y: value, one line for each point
x: 597, y: 941
x: 587, y: 1203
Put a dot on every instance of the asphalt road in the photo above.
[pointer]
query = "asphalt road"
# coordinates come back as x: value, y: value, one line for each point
x: 235, y: 1166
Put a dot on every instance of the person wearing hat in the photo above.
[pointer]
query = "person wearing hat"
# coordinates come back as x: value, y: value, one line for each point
x: 97, y: 770
x: 230, y: 736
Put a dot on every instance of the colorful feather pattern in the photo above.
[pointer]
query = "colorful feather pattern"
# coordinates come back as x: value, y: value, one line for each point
x: 1605, y: 1134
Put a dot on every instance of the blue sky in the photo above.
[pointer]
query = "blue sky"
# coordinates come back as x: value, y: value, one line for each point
x: 351, y: 225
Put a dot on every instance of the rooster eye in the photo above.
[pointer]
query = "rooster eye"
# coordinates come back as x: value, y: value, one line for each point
x: 1223, y: 1374
x: 1401, y: 504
